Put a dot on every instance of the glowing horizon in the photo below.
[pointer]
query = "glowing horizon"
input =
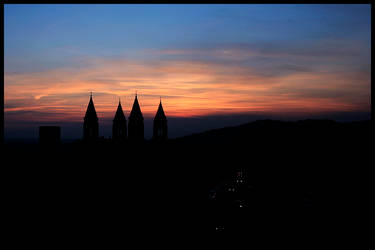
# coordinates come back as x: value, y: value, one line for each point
x: 210, y: 60
x: 186, y: 88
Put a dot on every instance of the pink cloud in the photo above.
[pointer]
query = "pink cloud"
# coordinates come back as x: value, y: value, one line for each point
x: 187, y: 88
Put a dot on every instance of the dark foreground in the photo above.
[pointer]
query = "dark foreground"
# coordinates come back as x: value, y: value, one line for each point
x: 266, y: 179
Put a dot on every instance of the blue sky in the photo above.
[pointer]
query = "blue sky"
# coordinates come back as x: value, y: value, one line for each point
x: 46, y: 34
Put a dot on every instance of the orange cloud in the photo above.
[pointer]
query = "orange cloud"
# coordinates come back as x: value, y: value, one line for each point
x: 187, y: 88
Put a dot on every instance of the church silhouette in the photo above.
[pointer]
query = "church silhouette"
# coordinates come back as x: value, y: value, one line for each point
x: 121, y: 131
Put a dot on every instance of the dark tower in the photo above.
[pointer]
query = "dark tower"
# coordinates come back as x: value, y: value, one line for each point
x: 160, y: 125
x: 90, y: 124
x: 119, y: 130
x: 136, y: 126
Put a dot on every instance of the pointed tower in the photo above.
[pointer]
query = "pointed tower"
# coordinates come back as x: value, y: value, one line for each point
x: 136, y: 126
x: 90, y: 124
x: 160, y: 124
x: 119, y: 130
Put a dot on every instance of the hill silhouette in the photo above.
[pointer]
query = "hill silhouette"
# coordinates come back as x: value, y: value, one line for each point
x: 273, y: 129
x: 303, y: 173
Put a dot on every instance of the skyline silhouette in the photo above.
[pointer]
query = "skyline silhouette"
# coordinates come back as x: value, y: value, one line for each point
x: 121, y: 131
x: 246, y: 62
x: 253, y: 178
x: 241, y: 118
x: 178, y: 127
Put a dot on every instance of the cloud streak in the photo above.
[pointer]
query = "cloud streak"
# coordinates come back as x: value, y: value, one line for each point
x: 224, y: 79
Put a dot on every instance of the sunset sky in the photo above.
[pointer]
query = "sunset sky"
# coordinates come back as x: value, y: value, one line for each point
x: 285, y: 61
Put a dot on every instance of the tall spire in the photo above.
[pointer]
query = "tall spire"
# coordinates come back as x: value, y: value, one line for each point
x: 160, y: 124
x: 119, y: 128
x: 90, y: 124
x: 91, y: 112
x: 119, y: 113
x: 160, y: 112
x: 135, y: 125
x: 136, y: 109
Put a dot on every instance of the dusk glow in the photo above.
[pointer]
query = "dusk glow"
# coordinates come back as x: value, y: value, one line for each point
x: 291, y: 60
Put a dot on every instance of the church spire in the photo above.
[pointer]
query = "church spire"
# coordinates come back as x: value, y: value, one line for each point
x: 119, y: 113
x: 91, y: 112
x: 119, y: 128
x: 136, y: 125
x: 160, y: 112
x: 90, y: 124
x: 136, y: 109
x: 160, y: 124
